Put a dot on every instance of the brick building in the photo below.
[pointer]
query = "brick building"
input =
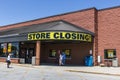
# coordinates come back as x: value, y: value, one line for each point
x: 77, y: 33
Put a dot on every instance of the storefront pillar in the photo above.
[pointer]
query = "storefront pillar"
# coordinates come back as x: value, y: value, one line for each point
x: 95, y: 41
x: 95, y: 52
x: 38, y: 53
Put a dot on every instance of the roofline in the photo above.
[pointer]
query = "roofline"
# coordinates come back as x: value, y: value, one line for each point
x: 59, y: 21
x: 109, y: 8
x: 49, y: 17
x: 31, y: 25
x: 61, y: 15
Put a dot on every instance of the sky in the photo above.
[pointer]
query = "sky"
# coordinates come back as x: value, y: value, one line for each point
x: 16, y: 11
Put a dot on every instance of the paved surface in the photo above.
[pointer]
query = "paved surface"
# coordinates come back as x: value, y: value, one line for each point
x: 96, y: 70
x: 49, y: 72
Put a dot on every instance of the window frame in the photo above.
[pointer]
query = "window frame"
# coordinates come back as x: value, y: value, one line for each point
x: 110, y: 53
x: 67, y: 57
x: 50, y: 55
x: 6, y: 48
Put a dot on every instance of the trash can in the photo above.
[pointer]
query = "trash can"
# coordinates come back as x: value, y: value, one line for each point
x: 22, y: 60
x: 115, y: 62
x: 33, y: 60
x: 86, y: 60
x: 89, y: 61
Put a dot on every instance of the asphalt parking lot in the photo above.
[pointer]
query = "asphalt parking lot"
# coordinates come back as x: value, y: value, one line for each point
x: 29, y: 72
x: 52, y: 72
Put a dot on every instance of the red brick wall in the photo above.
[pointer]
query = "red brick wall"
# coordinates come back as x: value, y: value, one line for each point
x: 109, y: 30
x: 13, y: 60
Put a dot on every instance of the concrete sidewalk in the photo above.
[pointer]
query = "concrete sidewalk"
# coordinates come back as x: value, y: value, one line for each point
x: 96, y: 70
x: 83, y: 69
x: 93, y: 70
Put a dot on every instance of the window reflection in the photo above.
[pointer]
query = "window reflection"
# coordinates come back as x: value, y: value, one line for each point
x: 52, y: 53
x: 3, y: 50
x: 12, y: 48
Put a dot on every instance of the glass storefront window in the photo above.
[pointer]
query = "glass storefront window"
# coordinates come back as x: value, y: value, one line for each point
x: 67, y: 52
x: 52, y: 53
x: 109, y: 53
x: 3, y: 50
x: 12, y: 48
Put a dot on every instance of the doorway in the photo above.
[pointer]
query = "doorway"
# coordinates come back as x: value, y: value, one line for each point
x: 27, y: 51
x: 28, y: 55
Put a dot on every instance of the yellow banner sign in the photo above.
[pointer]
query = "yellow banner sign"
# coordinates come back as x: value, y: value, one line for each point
x: 60, y: 36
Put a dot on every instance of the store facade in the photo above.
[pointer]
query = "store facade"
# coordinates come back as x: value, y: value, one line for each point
x: 44, y: 43
x: 78, y: 34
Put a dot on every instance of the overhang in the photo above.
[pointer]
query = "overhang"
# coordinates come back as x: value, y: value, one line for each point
x: 20, y: 34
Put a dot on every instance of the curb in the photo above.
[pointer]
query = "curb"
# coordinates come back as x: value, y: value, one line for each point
x: 94, y: 72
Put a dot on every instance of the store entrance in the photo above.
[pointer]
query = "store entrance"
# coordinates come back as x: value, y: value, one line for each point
x: 75, y: 52
x: 27, y: 51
